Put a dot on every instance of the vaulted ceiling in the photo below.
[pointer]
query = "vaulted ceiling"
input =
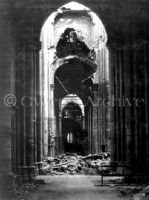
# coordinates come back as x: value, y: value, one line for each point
x: 73, y: 78
x: 125, y: 21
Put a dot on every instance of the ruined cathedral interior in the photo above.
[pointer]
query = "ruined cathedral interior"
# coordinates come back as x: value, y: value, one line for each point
x: 74, y: 79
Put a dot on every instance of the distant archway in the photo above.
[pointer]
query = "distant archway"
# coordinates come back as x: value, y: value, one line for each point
x: 75, y: 139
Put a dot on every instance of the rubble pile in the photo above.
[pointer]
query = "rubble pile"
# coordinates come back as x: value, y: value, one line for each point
x: 75, y: 164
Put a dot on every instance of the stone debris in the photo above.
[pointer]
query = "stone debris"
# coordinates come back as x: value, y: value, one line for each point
x: 143, y: 194
x: 146, y: 190
x: 139, y: 192
x: 23, y: 190
x: 128, y: 190
x: 139, y: 196
x: 75, y: 164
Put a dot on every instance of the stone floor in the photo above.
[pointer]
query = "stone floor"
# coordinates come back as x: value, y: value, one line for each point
x: 74, y: 187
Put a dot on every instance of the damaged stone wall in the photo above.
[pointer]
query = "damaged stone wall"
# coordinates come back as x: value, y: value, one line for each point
x: 126, y: 23
x: 83, y: 36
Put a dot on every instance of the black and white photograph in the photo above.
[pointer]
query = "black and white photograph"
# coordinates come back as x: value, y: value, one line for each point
x: 74, y: 100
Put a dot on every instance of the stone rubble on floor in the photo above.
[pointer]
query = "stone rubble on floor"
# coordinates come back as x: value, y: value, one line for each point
x: 75, y: 164
x: 136, y: 192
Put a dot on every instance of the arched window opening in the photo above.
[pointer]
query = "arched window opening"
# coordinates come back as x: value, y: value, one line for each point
x: 72, y: 127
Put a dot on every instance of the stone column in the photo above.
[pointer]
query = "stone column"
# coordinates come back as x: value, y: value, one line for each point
x: 20, y: 110
x: 25, y: 124
x: 129, y: 92
x: 112, y: 61
x: 129, y: 112
x: 146, y: 98
x: 90, y: 117
x: 122, y: 140
x: 7, y: 63
x: 140, y: 63
x: 28, y: 119
x: 95, y: 119
x: 83, y: 122
x: 61, y: 150
x: 37, y: 105
x: 117, y: 104
x: 52, y: 121
x: 86, y: 127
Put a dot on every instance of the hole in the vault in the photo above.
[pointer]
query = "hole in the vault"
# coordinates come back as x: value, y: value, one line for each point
x: 69, y: 44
